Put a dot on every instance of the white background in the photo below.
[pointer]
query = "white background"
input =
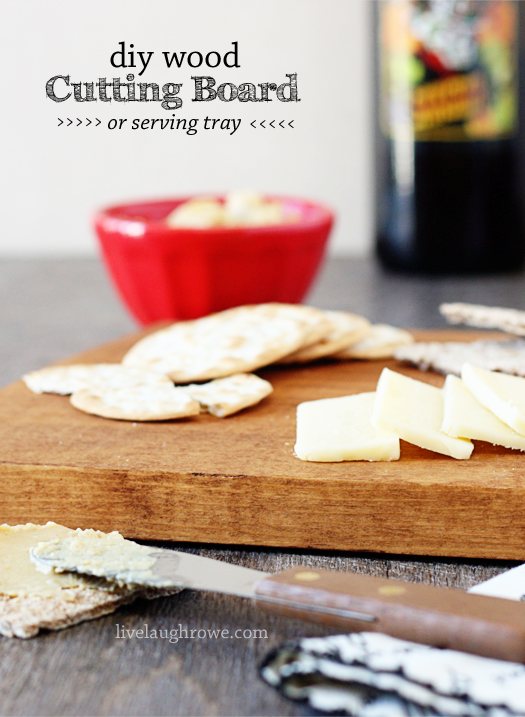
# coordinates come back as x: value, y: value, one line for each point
x: 53, y: 178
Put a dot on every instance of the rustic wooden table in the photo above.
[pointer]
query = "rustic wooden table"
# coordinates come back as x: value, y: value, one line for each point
x: 51, y: 309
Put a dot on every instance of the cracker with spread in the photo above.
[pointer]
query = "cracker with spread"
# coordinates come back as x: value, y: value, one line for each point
x: 31, y: 601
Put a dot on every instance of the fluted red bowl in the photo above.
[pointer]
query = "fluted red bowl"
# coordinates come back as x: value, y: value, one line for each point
x: 162, y: 272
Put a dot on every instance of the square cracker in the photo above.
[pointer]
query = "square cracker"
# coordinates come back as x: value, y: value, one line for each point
x: 26, y: 615
x: 512, y: 321
x: 449, y: 356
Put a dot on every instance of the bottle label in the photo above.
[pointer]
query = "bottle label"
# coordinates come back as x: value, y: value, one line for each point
x: 449, y: 69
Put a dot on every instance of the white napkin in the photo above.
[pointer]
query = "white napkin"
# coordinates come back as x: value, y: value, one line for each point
x: 374, y: 675
x: 510, y: 585
x: 369, y: 674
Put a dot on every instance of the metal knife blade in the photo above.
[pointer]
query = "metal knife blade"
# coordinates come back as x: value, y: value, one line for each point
x: 162, y: 568
x: 174, y: 568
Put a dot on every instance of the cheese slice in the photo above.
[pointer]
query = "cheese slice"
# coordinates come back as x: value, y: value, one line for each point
x: 339, y: 429
x: 413, y: 410
x: 465, y: 417
x: 501, y: 393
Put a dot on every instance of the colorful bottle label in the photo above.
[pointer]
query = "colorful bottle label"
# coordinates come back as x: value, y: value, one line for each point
x: 449, y: 69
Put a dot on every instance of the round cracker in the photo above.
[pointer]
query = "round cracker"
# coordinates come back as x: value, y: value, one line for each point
x: 69, y: 379
x: 141, y: 403
x: 345, y: 329
x: 238, y: 340
x: 381, y: 342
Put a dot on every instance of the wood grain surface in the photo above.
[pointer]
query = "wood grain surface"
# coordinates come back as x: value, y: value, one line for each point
x: 236, y: 480
x: 88, y: 670
x: 54, y: 308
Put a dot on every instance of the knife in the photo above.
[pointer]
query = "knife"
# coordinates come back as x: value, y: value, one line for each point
x: 442, y: 617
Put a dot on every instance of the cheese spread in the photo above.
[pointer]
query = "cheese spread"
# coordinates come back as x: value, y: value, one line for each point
x: 106, y: 555
x: 18, y: 575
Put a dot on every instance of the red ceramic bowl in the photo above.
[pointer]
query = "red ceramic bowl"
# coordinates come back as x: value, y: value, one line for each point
x: 170, y: 273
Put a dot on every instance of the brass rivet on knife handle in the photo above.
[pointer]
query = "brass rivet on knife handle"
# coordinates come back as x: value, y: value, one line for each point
x: 442, y: 617
x: 390, y: 590
x: 307, y: 576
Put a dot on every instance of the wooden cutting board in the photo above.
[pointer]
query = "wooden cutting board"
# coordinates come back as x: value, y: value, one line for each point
x: 236, y: 480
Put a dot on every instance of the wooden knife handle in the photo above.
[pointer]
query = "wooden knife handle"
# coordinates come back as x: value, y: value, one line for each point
x: 442, y: 617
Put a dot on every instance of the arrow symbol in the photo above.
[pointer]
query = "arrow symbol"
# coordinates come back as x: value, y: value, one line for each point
x: 252, y: 124
x: 88, y: 122
x: 272, y: 124
x: 262, y: 124
x: 281, y: 124
x: 290, y: 124
x: 69, y: 122
x: 98, y: 121
x: 61, y: 121
x: 79, y: 122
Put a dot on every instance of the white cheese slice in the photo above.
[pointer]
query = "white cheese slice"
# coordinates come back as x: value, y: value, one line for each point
x: 413, y: 410
x: 339, y: 429
x: 465, y: 417
x: 501, y: 393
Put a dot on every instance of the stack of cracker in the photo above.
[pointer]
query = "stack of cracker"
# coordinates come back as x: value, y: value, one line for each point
x: 211, y: 360
x: 506, y: 355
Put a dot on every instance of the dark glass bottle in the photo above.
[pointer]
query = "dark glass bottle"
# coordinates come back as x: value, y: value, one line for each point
x: 449, y: 150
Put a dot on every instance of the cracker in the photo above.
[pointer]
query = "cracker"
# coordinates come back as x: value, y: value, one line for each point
x: 380, y: 342
x: 141, y: 403
x: 238, y: 340
x: 225, y: 396
x: 31, y: 601
x: 511, y: 321
x: 448, y: 357
x: 65, y: 380
x: 25, y: 616
x: 345, y: 329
